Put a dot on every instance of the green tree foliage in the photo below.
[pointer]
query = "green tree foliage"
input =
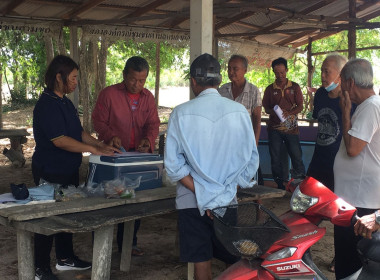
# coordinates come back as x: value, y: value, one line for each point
x: 171, y: 57
x: 24, y: 57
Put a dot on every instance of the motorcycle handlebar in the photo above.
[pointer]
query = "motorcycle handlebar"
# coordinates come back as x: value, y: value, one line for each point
x: 354, y: 218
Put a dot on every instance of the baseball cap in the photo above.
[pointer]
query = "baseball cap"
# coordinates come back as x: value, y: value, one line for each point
x: 205, y: 66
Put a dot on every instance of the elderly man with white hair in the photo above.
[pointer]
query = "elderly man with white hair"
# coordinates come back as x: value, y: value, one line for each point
x: 357, y: 163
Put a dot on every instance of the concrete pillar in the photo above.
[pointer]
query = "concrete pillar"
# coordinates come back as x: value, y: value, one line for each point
x: 201, y: 29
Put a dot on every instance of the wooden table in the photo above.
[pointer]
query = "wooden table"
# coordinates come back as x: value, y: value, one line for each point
x: 98, y: 215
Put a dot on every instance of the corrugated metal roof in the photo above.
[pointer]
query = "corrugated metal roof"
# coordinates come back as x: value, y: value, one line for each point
x: 261, y: 21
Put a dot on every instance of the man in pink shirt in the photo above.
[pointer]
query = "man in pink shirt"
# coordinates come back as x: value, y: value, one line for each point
x: 125, y: 115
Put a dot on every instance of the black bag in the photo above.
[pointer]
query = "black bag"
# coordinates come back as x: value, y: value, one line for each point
x: 20, y: 192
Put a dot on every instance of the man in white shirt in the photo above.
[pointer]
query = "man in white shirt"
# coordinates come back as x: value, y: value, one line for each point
x: 357, y: 163
x: 210, y: 150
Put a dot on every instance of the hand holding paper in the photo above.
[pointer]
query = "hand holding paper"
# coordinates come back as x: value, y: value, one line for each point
x: 279, y: 113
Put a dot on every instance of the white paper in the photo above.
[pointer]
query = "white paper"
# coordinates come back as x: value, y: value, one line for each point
x: 278, y: 111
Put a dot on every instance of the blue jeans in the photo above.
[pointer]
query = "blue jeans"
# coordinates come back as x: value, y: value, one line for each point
x: 292, y: 143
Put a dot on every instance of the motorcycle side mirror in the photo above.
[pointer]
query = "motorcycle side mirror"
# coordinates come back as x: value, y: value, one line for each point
x: 293, y: 184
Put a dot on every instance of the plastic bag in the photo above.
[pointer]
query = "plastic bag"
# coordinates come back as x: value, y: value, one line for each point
x: 65, y: 193
x: 69, y: 193
x: 94, y: 190
x: 121, y: 188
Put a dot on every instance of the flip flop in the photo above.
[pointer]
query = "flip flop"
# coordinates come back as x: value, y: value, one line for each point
x: 331, y: 266
x: 137, y: 252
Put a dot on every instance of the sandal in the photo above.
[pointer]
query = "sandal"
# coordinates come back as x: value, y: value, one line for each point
x: 137, y: 251
x: 331, y: 266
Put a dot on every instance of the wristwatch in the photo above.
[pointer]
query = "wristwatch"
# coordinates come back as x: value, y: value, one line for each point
x: 377, y: 215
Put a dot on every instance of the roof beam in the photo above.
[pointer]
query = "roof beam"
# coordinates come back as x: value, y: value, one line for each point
x: 301, y: 15
x: 311, y: 9
x: 346, y: 50
x: 256, y: 33
x: 171, y: 23
x: 234, y: 19
x: 11, y: 6
x: 151, y: 6
x: 305, y: 11
x: 82, y: 8
x: 366, y: 5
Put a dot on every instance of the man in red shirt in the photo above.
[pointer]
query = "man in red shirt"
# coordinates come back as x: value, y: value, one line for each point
x: 125, y: 115
x: 286, y: 95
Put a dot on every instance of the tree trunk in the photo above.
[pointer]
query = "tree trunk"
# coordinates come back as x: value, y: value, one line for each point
x: 100, y: 66
x: 61, y: 43
x: 74, y: 53
x: 49, y: 49
x: 100, y: 81
x: 157, y: 86
x: 1, y: 96
x: 84, y: 83
x: 310, y: 72
x: 92, y: 73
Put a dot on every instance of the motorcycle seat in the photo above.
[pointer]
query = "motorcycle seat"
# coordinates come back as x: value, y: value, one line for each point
x: 370, y: 248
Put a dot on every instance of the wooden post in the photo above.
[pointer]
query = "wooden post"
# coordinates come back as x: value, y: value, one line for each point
x: 310, y: 71
x: 25, y: 255
x: 158, y: 67
x: 215, y: 41
x: 126, y: 251
x: 352, y: 30
x: 102, y: 251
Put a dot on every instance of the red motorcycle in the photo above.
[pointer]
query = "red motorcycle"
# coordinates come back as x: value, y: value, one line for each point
x: 279, y: 247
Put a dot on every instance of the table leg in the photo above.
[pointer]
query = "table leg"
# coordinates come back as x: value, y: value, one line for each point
x: 190, y: 271
x: 25, y: 255
x: 125, y: 260
x: 102, y: 251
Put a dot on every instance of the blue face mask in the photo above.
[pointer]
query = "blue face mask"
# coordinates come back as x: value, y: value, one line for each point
x: 331, y: 86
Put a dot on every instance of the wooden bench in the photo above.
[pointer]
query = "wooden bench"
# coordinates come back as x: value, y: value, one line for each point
x: 17, y: 138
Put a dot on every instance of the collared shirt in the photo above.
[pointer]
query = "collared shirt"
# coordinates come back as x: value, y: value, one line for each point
x: 55, y: 117
x: 290, y: 99
x: 250, y: 97
x: 211, y: 138
x: 357, y: 179
x: 113, y: 116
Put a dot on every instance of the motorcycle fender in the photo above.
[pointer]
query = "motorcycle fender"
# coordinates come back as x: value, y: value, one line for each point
x: 245, y: 270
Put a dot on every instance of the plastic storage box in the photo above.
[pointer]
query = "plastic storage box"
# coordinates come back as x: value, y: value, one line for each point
x: 130, y: 165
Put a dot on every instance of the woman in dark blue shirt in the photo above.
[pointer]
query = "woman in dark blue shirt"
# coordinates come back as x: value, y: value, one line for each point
x: 60, y: 142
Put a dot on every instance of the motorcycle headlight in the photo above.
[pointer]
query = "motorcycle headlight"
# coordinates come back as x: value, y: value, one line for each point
x: 282, y: 254
x: 300, y: 202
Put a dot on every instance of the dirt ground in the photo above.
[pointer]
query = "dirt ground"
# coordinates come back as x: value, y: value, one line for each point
x: 156, y: 236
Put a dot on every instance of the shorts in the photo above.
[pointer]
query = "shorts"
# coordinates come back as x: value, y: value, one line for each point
x: 197, y: 239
